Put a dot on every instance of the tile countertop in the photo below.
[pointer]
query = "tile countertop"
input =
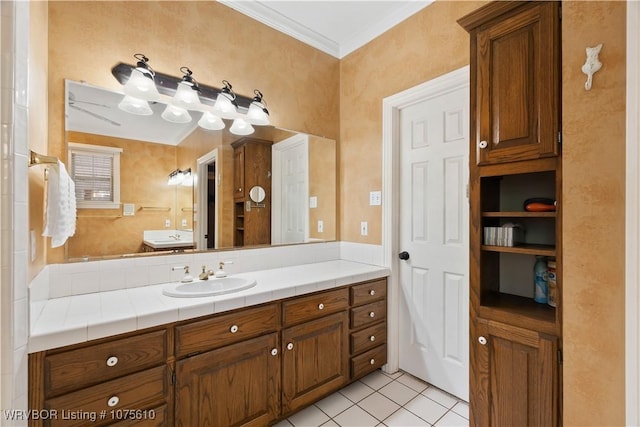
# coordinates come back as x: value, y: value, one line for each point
x: 80, y: 318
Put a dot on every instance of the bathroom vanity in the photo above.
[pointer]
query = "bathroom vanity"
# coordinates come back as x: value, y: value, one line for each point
x: 248, y: 366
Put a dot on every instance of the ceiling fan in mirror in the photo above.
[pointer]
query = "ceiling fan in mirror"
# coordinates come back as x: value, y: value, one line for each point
x: 141, y: 85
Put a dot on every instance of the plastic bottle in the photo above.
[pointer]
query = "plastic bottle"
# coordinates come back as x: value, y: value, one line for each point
x: 540, y: 280
x: 552, y: 294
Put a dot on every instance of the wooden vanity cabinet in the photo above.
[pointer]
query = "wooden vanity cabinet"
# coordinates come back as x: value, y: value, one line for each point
x: 515, y: 343
x: 247, y: 367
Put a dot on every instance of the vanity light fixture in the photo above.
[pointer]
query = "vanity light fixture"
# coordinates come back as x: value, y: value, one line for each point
x: 187, y: 95
x: 178, y: 177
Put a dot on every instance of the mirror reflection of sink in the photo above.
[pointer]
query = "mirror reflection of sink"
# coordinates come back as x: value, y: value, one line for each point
x: 207, y: 288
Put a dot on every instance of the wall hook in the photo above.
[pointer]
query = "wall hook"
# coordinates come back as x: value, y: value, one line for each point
x: 592, y: 64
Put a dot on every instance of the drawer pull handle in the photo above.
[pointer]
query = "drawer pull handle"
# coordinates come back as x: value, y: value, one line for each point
x: 290, y: 346
x: 274, y: 351
x: 112, y: 361
x: 372, y: 314
x: 372, y: 338
x: 372, y: 292
x: 372, y: 361
x: 233, y: 329
x: 320, y: 306
x: 113, y: 401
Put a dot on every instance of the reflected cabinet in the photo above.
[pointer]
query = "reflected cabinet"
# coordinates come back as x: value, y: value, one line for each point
x: 515, y: 214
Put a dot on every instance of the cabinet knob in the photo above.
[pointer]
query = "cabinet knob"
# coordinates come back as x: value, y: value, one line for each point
x: 320, y: 306
x: 372, y: 361
x: 239, y: 189
x: 274, y: 351
x: 483, y: 144
x: 482, y: 340
x: 290, y: 346
x: 372, y: 338
x: 112, y: 361
x: 372, y: 314
x: 233, y: 329
x: 113, y: 401
x: 372, y: 292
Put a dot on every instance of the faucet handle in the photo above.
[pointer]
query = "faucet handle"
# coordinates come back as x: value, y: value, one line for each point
x: 221, y: 272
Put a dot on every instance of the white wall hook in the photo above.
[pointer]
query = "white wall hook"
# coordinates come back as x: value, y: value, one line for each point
x: 592, y: 64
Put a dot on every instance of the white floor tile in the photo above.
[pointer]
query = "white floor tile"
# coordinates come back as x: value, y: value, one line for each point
x: 283, y: 423
x: 451, y: 419
x: 379, y: 406
x: 356, y: 391
x: 376, y: 380
x: 356, y: 417
x: 440, y: 396
x: 426, y: 408
x: 395, y: 375
x: 398, y: 392
x: 413, y: 382
x: 404, y: 418
x: 334, y: 404
x: 311, y: 416
x: 330, y: 423
x: 462, y: 409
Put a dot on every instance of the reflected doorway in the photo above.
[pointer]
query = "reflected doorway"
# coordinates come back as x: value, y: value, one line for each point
x: 207, y: 226
x: 210, y: 235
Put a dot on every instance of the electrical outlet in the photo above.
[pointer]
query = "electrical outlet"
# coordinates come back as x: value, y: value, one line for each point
x: 375, y: 198
x: 184, y: 222
x: 167, y: 223
x: 313, y: 202
x: 320, y: 226
x: 364, y: 228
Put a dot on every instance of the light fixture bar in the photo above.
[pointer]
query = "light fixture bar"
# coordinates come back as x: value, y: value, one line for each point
x: 168, y: 85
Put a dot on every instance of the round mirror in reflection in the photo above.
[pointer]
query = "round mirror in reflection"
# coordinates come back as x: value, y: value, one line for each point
x: 257, y: 194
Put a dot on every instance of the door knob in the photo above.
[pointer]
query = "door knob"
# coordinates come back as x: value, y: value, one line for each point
x: 404, y: 255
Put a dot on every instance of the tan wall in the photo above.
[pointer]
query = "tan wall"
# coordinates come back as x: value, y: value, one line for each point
x: 424, y: 46
x: 593, y: 224
x: 144, y: 169
x: 322, y: 184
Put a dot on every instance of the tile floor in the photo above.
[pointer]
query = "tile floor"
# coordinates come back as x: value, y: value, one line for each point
x: 380, y: 400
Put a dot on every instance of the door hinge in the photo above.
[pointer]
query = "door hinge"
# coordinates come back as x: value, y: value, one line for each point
x: 559, y: 137
x: 559, y: 357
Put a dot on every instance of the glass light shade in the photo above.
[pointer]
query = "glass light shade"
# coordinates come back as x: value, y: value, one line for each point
x: 134, y: 105
x: 186, y: 97
x: 210, y: 121
x: 223, y: 106
x: 256, y: 115
x: 175, y: 177
x: 241, y: 127
x: 187, y: 179
x: 141, y: 86
x: 175, y: 114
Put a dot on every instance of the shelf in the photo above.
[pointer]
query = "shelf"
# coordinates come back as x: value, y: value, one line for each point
x: 519, y: 214
x: 526, y: 249
x: 239, y: 228
x: 519, y: 311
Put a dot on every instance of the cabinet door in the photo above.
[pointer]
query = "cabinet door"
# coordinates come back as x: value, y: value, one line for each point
x: 517, y: 85
x: 238, y: 173
x: 237, y: 385
x: 315, y: 360
x: 514, y: 378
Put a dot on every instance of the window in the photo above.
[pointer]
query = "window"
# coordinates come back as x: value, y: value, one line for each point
x: 96, y: 172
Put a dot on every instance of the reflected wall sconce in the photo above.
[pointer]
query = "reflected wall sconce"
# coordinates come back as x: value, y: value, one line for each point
x: 180, y: 177
x: 143, y: 85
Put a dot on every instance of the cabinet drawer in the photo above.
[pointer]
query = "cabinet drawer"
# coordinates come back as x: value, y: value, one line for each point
x: 367, y: 314
x: 368, y: 338
x: 135, y: 391
x: 367, y: 292
x: 368, y: 362
x: 313, y: 306
x: 75, y: 369
x: 225, y: 329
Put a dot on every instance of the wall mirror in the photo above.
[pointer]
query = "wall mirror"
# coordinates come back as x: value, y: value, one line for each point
x: 182, y: 187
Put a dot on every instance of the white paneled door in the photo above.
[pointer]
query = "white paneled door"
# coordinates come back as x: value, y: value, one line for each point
x: 434, y: 213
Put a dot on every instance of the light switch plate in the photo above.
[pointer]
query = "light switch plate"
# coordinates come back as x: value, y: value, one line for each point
x: 364, y: 228
x: 313, y: 202
x: 375, y: 198
x: 184, y: 222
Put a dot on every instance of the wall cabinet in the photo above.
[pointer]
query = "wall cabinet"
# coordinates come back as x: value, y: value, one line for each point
x: 514, y: 156
x: 251, y: 167
x: 248, y: 367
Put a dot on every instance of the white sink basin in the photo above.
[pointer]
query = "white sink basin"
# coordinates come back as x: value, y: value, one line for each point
x: 207, y: 288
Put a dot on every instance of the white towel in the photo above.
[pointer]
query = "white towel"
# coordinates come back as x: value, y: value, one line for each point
x: 60, y: 209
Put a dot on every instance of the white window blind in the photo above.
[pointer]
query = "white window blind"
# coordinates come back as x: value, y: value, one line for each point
x: 96, y: 173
